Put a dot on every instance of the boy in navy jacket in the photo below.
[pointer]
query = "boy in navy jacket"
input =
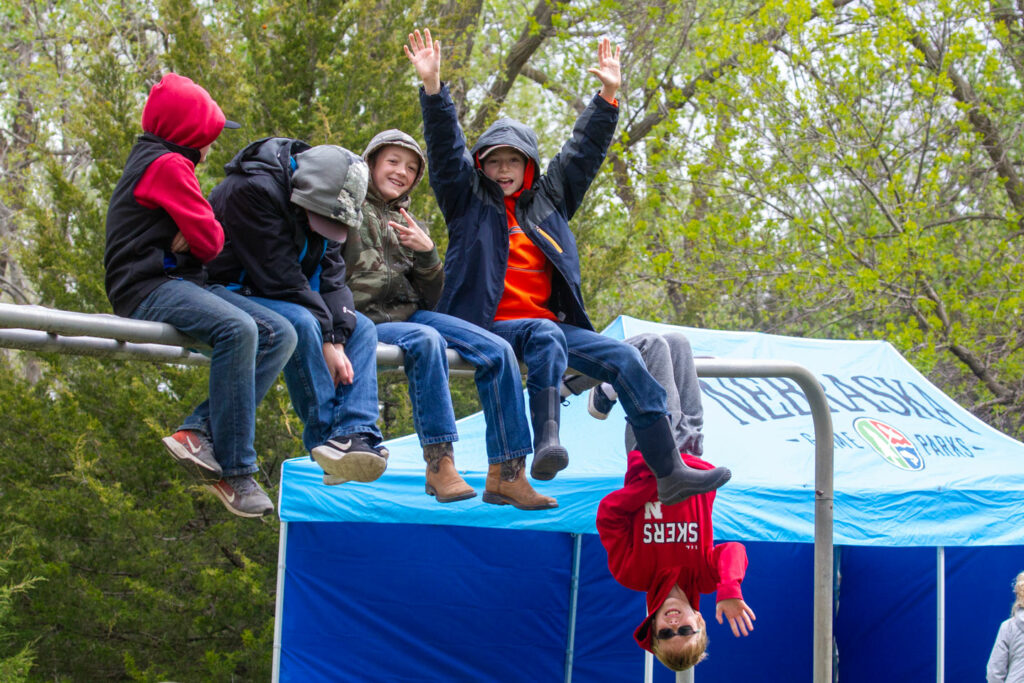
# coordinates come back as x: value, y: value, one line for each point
x: 160, y: 232
x: 512, y: 267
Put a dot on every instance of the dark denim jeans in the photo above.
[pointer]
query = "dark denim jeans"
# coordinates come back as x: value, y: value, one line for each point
x: 548, y: 347
x: 250, y: 346
x: 424, y: 338
x: 330, y: 412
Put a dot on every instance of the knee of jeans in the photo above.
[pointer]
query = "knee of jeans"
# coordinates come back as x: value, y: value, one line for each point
x: 425, y: 342
x: 634, y: 360
x: 547, y: 332
x: 285, y: 337
x: 307, y: 331
x: 240, y: 329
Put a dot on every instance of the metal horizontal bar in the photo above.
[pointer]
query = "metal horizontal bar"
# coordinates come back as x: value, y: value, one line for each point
x: 35, y: 328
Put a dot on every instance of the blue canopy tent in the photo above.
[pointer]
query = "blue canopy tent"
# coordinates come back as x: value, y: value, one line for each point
x: 379, y: 581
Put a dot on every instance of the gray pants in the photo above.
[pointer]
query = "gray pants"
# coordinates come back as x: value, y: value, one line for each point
x: 669, y: 359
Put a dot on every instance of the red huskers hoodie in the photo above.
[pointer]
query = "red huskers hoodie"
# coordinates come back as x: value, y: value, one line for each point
x: 652, y: 547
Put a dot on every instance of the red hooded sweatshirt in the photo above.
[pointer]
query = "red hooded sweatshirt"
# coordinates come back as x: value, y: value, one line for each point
x: 652, y: 547
x: 182, y: 112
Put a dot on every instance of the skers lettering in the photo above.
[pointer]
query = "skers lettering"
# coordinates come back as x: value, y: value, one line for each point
x: 671, y: 532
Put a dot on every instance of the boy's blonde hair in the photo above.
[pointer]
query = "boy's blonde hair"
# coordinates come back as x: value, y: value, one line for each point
x: 686, y: 657
x: 1018, y: 591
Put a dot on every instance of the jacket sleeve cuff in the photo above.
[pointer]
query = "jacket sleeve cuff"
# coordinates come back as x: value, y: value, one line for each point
x: 728, y: 590
x: 426, y: 260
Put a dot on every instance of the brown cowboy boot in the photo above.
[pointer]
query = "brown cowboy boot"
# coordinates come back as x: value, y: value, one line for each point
x: 507, y: 485
x: 443, y: 480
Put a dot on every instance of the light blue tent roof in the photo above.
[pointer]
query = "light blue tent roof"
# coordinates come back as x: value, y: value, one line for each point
x: 912, y: 468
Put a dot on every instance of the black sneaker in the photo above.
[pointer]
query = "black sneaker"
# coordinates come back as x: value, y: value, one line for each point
x: 243, y: 496
x: 350, y: 458
x: 598, y: 404
x: 194, y: 451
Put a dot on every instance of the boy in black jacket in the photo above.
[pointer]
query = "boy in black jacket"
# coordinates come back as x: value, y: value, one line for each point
x: 286, y: 207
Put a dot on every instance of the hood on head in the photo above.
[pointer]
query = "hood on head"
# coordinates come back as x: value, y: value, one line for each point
x: 181, y: 111
x: 510, y: 133
x: 393, y: 136
x: 506, y: 132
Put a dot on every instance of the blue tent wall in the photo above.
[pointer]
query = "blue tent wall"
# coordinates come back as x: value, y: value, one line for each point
x: 348, y: 543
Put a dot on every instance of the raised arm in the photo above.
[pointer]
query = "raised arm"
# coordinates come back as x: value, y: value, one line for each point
x: 449, y: 165
x: 574, y: 168
x: 425, y: 55
x: 607, y: 70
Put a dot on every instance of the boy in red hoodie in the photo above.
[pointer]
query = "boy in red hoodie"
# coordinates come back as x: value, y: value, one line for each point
x: 668, y: 551
x: 160, y: 232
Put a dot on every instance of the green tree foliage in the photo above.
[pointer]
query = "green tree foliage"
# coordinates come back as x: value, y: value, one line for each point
x: 839, y: 168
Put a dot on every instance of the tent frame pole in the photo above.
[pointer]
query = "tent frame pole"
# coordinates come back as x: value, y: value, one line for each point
x: 36, y: 328
x: 940, y: 621
x: 574, y: 594
x: 282, y: 548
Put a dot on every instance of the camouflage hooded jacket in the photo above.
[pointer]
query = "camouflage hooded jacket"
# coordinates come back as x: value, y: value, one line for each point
x: 390, y: 282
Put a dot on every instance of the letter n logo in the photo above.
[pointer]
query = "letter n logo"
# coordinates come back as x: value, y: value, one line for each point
x: 652, y: 510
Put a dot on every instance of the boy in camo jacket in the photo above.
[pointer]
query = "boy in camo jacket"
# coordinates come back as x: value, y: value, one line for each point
x: 396, y: 277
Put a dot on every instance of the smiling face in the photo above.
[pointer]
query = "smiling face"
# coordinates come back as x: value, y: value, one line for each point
x: 678, y: 652
x: 507, y: 167
x: 394, y: 171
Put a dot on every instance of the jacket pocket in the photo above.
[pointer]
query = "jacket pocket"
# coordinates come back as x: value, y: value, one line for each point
x: 549, y: 239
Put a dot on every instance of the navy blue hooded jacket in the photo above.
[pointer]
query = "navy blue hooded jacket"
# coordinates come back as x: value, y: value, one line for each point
x: 474, y: 209
x: 270, y: 250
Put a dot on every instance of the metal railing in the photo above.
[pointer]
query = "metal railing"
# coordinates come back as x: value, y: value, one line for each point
x: 35, y: 328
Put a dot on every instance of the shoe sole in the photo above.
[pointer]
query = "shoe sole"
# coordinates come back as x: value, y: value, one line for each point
x: 498, y: 499
x: 196, y: 468
x: 682, y: 493
x: 592, y: 409
x: 236, y: 511
x: 362, y: 466
x: 549, y: 463
x: 431, y: 491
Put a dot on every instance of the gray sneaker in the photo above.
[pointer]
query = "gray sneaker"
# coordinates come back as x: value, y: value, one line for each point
x: 194, y: 451
x: 243, y: 496
x: 350, y: 459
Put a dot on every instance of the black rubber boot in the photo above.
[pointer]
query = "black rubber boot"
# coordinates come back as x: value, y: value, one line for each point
x: 676, y: 480
x: 549, y: 457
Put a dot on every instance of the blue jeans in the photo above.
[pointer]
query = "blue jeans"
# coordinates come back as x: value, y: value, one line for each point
x: 328, y: 411
x: 424, y: 338
x: 250, y: 346
x: 547, y: 347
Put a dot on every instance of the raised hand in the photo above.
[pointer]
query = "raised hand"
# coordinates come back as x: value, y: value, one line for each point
x: 412, y: 235
x: 741, y: 617
x: 607, y: 69
x: 425, y: 55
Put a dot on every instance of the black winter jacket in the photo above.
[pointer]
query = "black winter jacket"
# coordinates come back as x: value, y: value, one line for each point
x: 270, y: 250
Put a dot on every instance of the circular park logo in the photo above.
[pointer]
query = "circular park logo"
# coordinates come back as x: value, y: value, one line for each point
x: 889, y: 442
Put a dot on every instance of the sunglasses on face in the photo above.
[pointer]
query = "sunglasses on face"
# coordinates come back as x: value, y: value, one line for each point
x: 668, y: 634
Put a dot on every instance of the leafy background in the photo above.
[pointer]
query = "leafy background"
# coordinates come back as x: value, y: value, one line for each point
x: 842, y: 169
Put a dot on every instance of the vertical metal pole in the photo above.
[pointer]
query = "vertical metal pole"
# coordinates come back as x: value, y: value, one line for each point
x: 648, y: 667
x: 574, y: 593
x: 685, y: 676
x: 282, y: 547
x: 940, y: 600
x: 823, y: 488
